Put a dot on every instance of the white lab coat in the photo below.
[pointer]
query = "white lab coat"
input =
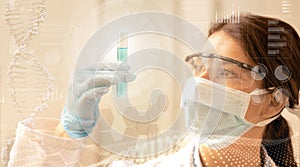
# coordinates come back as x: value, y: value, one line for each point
x: 35, y: 146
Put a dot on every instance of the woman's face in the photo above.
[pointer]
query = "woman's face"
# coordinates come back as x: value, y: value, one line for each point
x: 236, y: 77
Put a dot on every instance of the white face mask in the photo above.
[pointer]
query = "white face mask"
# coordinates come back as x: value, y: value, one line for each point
x: 217, y: 113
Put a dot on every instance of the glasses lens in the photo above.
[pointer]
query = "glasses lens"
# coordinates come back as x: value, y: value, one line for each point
x: 196, y: 65
x: 221, y: 71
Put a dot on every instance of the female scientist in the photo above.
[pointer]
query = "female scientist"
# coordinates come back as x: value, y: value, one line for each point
x: 260, y: 60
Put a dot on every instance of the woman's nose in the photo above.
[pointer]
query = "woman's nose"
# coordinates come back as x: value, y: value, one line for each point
x: 204, y: 74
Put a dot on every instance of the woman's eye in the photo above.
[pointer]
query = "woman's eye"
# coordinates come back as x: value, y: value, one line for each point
x: 227, y: 73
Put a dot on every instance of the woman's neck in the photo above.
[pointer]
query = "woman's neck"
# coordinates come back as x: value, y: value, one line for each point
x: 243, y: 152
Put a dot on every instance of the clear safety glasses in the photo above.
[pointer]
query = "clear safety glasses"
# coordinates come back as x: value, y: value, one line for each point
x: 224, y: 70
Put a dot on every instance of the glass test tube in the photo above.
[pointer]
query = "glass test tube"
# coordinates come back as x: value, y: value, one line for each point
x: 122, y: 57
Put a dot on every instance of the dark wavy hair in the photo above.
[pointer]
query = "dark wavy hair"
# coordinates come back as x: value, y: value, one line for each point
x: 271, y: 42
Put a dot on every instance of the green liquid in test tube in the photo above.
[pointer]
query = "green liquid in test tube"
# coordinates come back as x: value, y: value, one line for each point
x: 122, y: 57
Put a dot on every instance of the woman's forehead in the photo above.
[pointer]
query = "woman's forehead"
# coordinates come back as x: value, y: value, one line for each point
x: 223, y: 44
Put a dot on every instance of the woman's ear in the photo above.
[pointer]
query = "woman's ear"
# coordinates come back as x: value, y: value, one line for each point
x: 276, y: 102
x: 281, y: 96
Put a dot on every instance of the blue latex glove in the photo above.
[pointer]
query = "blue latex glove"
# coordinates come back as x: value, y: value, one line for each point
x: 88, y: 85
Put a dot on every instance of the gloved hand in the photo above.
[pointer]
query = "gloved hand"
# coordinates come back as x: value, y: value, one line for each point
x: 88, y: 85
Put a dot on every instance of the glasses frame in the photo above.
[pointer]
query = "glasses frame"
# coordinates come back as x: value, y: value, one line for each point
x: 211, y: 55
x: 238, y: 63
